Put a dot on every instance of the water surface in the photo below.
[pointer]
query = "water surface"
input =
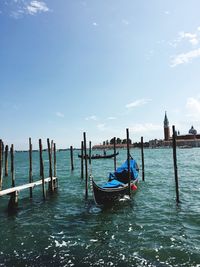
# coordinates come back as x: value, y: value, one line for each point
x: 147, y: 230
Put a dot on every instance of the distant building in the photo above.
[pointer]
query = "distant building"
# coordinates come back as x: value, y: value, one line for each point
x: 191, y: 139
x: 166, y: 128
x: 192, y: 131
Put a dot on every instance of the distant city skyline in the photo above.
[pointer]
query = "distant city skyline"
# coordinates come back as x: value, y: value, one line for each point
x: 99, y: 67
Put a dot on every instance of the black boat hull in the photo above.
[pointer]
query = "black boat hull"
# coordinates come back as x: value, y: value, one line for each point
x: 107, y: 196
x: 100, y: 156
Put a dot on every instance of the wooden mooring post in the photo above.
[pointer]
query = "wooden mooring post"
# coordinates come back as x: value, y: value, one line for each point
x: 175, y: 165
x: 90, y: 152
x: 82, y: 165
x: 114, y: 148
x: 51, y: 184
x: 142, y: 155
x: 1, y: 173
x: 30, y: 167
x: 86, y: 167
x: 128, y: 159
x: 55, y: 181
x: 54, y: 160
x: 13, y: 202
x: 6, y: 161
x: 2, y: 162
x: 72, y: 158
x: 42, y: 170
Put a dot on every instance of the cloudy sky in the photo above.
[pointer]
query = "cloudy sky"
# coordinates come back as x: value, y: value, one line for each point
x: 97, y: 66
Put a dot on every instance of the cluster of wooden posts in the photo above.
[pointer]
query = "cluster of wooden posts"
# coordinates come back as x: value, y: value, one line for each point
x: 52, y: 180
x: 86, y: 158
x: 14, y: 190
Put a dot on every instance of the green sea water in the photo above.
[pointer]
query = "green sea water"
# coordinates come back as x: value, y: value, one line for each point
x: 147, y: 230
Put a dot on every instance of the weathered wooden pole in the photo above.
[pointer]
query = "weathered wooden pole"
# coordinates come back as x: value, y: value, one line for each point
x: 55, y: 171
x: 54, y: 160
x: 2, y: 163
x: 142, y: 154
x: 12, y: 165
x: 6, y: 160
x: 128, y: 158
x: 42, y: 170
x: 114, y: 147
x: 51, y: 146
x: 82, y: 165
x: 72, y: 158
x: 86, y: 168
x: 175, y: 165
x: 51, y: 186
x: 1, y: 173
x: 90, y: 151
x: 13, y: 202
x: 30, y: 167
x: 52, y: 157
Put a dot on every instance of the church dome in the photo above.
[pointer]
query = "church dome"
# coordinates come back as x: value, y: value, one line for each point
x: 192, y: 131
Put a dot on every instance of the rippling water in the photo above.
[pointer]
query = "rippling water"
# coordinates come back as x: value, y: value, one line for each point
x: 147, y: 230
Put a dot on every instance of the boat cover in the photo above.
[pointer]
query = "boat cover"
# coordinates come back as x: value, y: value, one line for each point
x: 120, y: 176
x: 113, y: 184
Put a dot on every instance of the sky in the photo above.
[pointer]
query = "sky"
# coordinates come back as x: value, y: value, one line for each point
x: 97, y: 66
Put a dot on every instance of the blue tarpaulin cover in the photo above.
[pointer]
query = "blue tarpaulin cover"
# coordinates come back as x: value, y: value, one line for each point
x: 124, y: 167
x: 120, y: 176
x: 112, y: 183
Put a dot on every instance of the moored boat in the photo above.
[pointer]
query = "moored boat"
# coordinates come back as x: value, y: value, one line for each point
x: 117, y: 186
x: 98, y: 156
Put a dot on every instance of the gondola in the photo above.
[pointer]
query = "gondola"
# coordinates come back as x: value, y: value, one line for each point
x: 98, y: 156
x: 117, y: 186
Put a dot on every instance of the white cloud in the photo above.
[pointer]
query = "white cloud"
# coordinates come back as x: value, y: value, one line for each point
x: 59, y: 114
x: 193, y: 108
x: 184, y: 37
x: 93, y: 118
x: 16, y: 14
x: 194, y: 41
x: 145, y: 128
x: 94, y: 24
x: 182, y: 58
x: 185, y: 57
x: 36, y: 6
x: 191, y: 37
x: 19, y: 8
x: 138, y: 103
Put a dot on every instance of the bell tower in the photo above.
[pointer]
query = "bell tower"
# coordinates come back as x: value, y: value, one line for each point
x: 166, y: 128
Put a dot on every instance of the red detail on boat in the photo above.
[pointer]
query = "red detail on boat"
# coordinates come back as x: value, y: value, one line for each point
x: 133, y: 187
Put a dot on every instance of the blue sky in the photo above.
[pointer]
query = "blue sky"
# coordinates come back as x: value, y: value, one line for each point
x: 98, y: 66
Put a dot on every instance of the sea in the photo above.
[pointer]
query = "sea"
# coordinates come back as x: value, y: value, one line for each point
x: 149, y: 229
